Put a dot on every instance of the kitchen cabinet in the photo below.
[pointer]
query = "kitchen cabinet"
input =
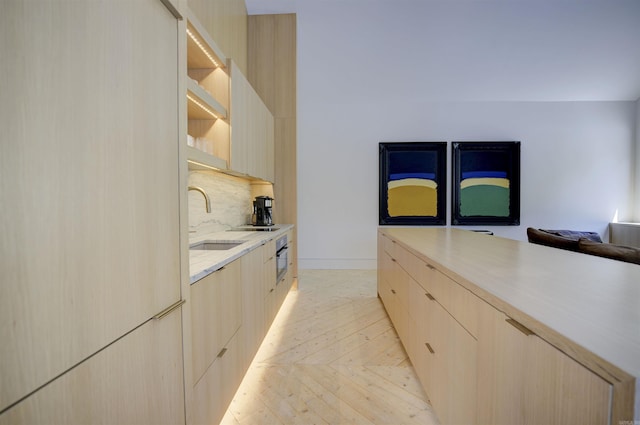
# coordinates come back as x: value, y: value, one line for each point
x: 90, y: 203
x: 136, y: 380
x: 215, y: 390
x: 481, y: 359
x: 445, y: 357
x: 207, y: 99
x: 252, y: 141
x: 216, y: 315
x: 524, y: 379
x: 253, y: 302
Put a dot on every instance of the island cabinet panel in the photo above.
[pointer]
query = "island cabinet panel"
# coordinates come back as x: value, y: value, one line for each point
x: 476, y: 363
x: 444, y: 355
x: 525, y: 380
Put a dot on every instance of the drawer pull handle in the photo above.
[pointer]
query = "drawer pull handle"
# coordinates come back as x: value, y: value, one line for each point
x: 393, y: 259
x: 222, y: 352
x: 169, y: 309
x: 393, y: 291
x: 431, y: 267
x: 429, y: 348
x: 430, y: 296
x: 271, y: 290
x: 520, y: 327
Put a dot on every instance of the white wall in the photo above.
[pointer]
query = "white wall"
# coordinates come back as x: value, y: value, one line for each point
x: 636, y: 174
x: 372, y: 71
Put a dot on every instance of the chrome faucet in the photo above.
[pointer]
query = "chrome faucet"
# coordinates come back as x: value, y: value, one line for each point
x: 206, y: 197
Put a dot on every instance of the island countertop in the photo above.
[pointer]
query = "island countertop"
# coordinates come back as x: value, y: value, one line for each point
x: 583, y: 304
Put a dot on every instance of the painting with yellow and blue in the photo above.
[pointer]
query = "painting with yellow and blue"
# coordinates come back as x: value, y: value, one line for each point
x: 486, y: 183
x: 412, y: 183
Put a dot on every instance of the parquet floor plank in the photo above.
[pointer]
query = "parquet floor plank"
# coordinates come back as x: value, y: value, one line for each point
x: 332, y: 357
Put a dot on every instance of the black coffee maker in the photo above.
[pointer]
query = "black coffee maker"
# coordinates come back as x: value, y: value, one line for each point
x: 262, y: 211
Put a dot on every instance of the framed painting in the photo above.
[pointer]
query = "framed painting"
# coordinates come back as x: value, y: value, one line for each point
x: 486, y: 183
x: 412, y: 183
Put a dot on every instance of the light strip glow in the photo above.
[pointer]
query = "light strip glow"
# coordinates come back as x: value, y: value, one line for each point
x: 201, y: 46
x: 203, y: 107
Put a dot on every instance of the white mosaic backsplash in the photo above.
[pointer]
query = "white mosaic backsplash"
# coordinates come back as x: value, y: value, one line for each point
x: 231, y: 202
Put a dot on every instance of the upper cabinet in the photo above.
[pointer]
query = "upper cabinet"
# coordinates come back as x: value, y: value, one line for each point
x: 207, y: 99
x: 252, y: 141
x: 229, y: 126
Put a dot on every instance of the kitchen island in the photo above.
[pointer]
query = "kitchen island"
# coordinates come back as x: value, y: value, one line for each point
x: 530, y: 333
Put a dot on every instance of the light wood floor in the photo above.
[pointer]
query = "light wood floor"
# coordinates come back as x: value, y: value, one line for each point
x: 331, y: 357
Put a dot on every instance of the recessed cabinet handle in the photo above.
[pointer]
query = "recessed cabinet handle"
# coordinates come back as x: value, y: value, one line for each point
x: 519, y: 326
x: 222, y: 352
x: 393, y: 259
x: 430, y: 296
x: 431, y: 267
x: 393, y: 291
x: 429, y: 348
x: 169, y: 309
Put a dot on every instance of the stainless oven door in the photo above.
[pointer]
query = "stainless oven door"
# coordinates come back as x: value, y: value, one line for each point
x: 282, y: 262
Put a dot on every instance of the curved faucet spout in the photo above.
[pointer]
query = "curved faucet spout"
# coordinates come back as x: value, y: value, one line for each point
x: 206, y: 197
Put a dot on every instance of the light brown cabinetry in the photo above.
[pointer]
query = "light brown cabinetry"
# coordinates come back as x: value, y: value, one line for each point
x: 89, y: 202
x: 216, y: 315
x: 476, y: 364
x: 207, y: 99
x: 136, y: 380
x: 252, y: 140
x: 232, y: 310
x: 524, y: 379
x: 217, y: 337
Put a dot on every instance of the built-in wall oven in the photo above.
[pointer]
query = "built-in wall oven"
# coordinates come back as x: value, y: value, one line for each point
x: 282, y: 258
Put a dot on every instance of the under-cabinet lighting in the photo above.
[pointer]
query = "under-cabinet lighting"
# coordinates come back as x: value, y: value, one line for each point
x: 202, y: 47
x: 200, y: 164
x: 203, y: 107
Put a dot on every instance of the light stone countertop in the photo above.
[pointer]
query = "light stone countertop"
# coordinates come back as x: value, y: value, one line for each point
x: 204, y: 262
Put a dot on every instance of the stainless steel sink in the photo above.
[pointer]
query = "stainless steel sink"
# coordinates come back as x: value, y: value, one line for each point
x: 215, y: 245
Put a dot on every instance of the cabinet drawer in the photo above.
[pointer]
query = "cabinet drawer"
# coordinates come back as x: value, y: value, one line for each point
x: 216, y: 314
x: 459, y: 301
x: 213, y: 393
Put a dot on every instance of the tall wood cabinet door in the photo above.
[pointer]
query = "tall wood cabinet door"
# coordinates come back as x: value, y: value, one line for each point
x: 136, y: 380
x: 89, y: 193
x: 454, y: 369
x: 253, y: 303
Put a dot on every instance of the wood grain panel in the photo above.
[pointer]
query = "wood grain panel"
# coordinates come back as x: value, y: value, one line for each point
x: 226, y: 23
x: 89, y: 192
x: 136, y: 380
x: 272, y: 72
x: 216, y: 314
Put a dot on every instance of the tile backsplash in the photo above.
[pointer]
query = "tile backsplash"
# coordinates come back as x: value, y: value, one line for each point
x: 231, y: 202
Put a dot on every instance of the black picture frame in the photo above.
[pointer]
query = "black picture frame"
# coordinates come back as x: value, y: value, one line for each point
x: 485, y: 183
x: 416, y: 173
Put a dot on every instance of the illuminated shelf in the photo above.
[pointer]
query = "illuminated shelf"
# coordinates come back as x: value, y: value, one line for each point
x: 199, y: 160
x: 202, y: 51
x: 201, y: 105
